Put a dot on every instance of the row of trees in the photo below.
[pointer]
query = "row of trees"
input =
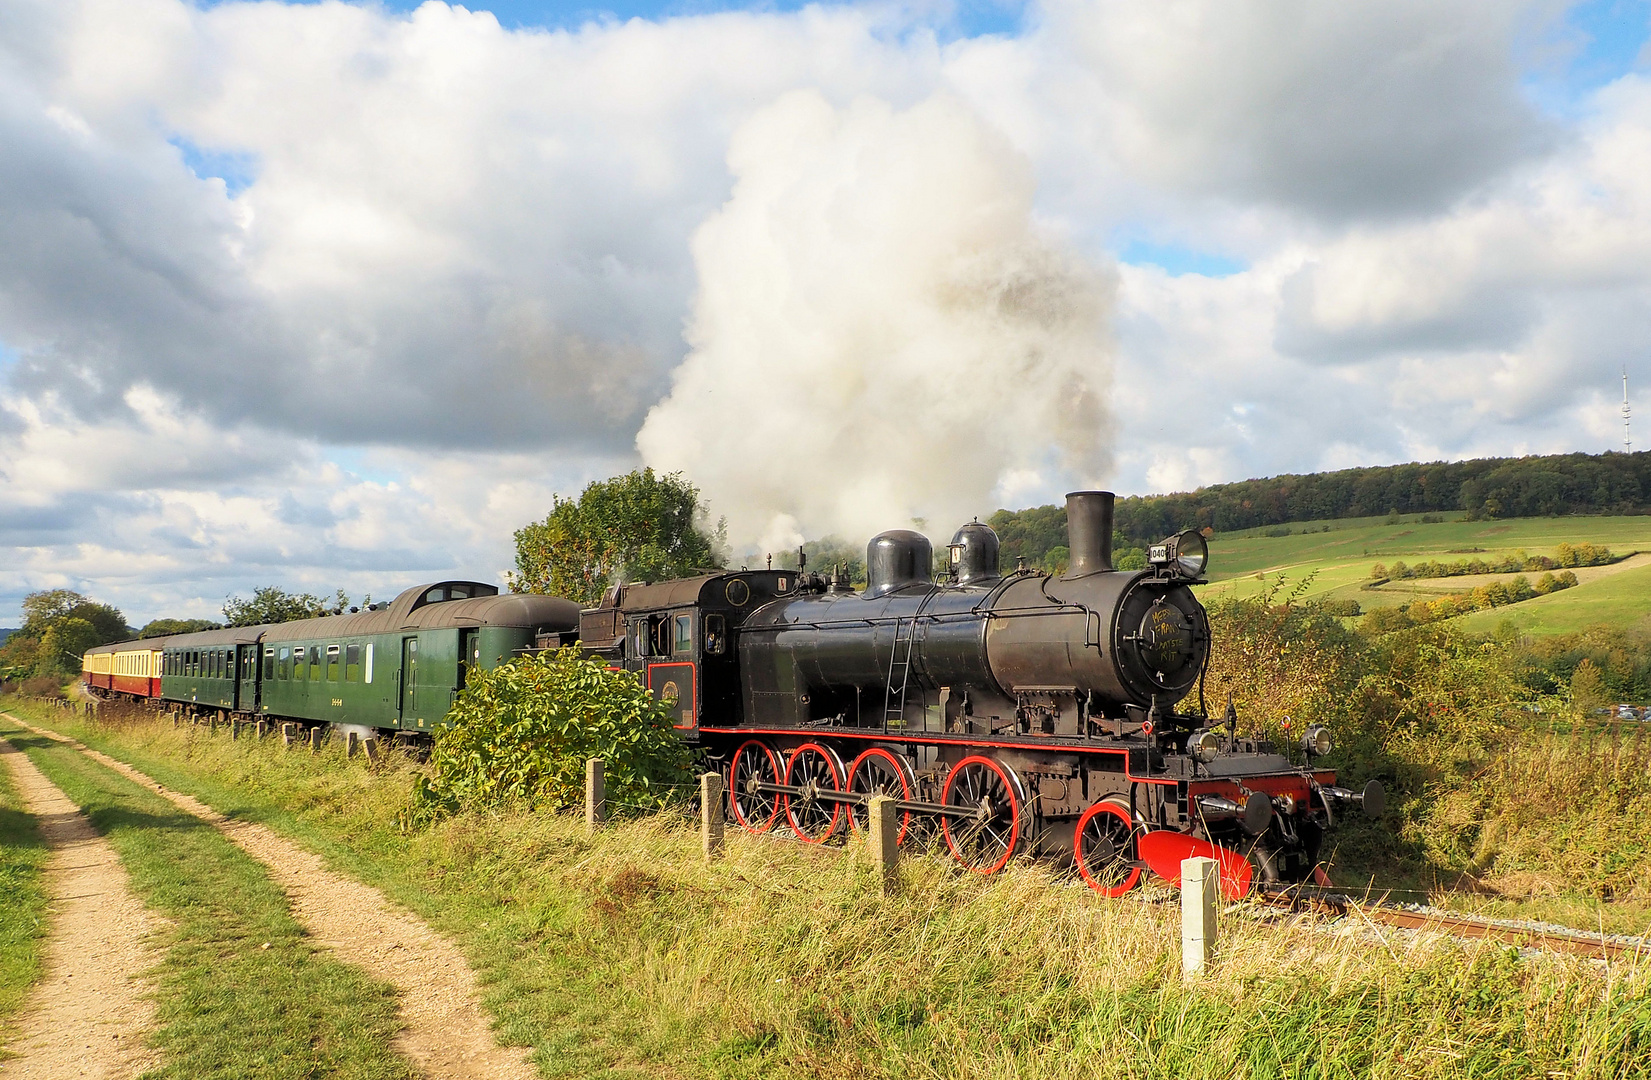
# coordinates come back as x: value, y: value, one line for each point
x: 1536, y: 486
x: 1566, y: 556
x: 1493, y: 595
x: 58, y: 626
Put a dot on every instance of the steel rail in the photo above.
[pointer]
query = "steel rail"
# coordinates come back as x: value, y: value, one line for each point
x: 1340, y: 905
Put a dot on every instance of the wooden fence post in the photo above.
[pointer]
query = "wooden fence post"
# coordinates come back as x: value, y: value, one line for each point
x: 710, y: 813
x: 1200, y: 881
x: 596, y: 798
x: 885, y: 841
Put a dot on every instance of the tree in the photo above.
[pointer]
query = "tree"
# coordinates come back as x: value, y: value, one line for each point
x: 62, y: 646
x: 42, y: 609
x: 1587, y: 686
x: 167, y: 627
x: 273, y: 604
x: 636, y: 527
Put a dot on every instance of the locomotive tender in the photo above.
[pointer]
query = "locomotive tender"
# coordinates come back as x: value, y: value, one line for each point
x: 1007, y: 713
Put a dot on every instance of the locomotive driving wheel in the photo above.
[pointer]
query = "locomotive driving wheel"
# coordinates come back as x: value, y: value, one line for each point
x: 1104, y: 846
x: 878, y: 772
x: 814, y: 770
x: 754, y: 764
x: 982, y: 825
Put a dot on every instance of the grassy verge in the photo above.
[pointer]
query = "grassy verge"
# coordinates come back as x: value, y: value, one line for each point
x: 626, y: 953
x: 22, y: 901
x: 241, y: 991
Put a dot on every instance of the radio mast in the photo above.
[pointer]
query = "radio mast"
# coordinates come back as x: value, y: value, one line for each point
x: 1627, y: 416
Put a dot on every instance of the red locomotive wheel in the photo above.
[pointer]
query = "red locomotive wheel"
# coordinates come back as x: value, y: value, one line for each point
x: 813, y: 769
x: 754, y: 763
x: 878, y: 772
x: 983, y: 839
x: 1104, y: 845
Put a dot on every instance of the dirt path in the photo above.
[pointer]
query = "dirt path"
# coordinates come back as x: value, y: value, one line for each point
x: 447, y: 1035
x: 89, y: 1015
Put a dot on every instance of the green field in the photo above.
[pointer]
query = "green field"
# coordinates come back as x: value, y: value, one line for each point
x: 1339, y: 556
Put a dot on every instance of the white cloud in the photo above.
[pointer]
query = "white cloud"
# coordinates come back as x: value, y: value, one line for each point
x: 433, y: 270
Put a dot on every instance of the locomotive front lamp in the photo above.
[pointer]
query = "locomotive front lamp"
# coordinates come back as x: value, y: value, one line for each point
x: 1316, y: 741
x: 1204, y: 746
x: 1187, y: 554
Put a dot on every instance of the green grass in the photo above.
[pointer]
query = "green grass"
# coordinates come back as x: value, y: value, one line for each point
x: 1340, y: 561
x: 22, y: 900
x: 241, y: 990
x: 627, y: 954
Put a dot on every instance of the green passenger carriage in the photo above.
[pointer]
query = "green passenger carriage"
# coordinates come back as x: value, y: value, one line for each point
x: 396, y: 665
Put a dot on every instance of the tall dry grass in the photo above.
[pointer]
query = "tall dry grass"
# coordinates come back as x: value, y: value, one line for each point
x: 627, y: 950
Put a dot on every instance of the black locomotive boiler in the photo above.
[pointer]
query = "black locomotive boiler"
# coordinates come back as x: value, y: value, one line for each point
x: 1007, y: 713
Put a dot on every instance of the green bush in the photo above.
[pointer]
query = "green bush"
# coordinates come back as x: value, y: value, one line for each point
x: 523, y: 731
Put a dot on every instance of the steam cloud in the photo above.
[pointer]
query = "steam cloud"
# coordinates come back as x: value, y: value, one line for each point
x: 883, y: 336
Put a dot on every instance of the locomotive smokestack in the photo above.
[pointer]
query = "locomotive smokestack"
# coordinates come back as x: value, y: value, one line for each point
x: 1089, y: 532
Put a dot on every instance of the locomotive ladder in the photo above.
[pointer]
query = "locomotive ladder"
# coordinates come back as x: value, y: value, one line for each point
x: 895, y: 707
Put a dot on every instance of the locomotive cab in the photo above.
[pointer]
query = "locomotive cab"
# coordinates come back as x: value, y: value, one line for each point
x: 677, y: 637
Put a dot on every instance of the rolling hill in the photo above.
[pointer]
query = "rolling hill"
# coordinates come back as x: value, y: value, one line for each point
x: 1338, y: 556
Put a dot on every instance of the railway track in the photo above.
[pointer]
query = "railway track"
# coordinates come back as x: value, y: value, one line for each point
x: 1599, y: 946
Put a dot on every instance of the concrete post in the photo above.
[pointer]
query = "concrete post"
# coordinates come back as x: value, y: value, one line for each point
x: 286, y: 735
x: 885, y: 841
x: 370, y: 746
x: 1200, y: 884
x: 351, y: 742
x: 315, y: 739
x: 596, y: 798
x: 710, y: 813
x: 212, y: 724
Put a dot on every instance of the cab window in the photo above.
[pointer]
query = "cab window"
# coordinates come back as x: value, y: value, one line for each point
x: 716, y: 635
x: 684, y: 634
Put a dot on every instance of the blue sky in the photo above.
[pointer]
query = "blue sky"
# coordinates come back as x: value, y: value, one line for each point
x: 454, y: 270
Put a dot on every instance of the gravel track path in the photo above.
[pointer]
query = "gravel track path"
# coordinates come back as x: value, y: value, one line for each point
x: 89, y: 1015
x: 447, y: 1034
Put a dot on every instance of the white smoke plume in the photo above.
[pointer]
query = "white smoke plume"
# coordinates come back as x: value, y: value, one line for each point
x: 882, y: 336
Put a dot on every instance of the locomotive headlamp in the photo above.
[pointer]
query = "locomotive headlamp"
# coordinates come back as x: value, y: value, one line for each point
x: 1186, y: 554
x: 1204, y: 746
x: 1317, y: 741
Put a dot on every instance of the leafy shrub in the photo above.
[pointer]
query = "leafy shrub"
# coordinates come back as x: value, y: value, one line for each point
x: 522, y: 732
x: 43, y: 686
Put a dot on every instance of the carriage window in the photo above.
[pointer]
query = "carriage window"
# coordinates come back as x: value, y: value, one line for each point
x: 435, y: 596
x: 684, y: 633
x: 282, y: 665
x: 369, y: 672
x: 316, y: 670
x: 458, y: 592
x: 300, y: 668
x: 332, y: 663
x: 352, y: 663
x: 269, y: 663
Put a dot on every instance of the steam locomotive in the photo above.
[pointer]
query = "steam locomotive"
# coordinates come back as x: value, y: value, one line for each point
x: 1007, y: 713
